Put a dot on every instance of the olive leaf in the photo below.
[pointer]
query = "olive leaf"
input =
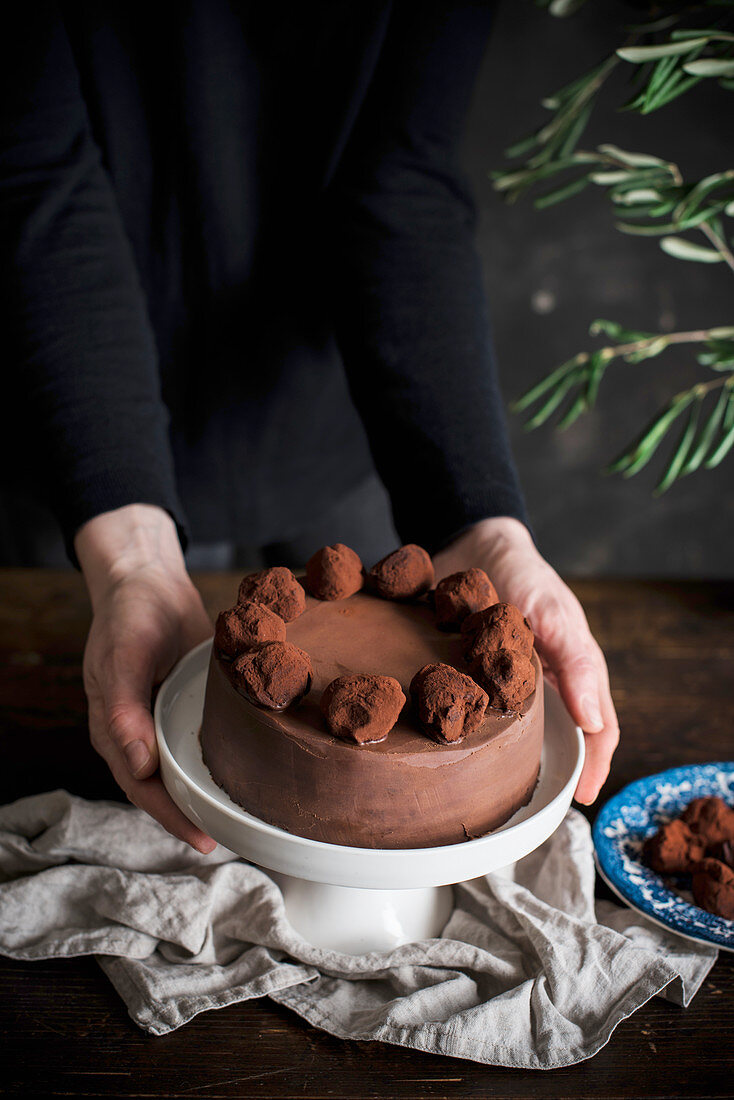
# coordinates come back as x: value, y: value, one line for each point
x: 711, y: 66
x: 639, y: 54
x: 672, y: 470
x: 687, y: 250
x: 707, y: 435
x: 638, y: 456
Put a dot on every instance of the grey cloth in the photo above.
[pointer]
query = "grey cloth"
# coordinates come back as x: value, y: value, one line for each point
x: 533, y: 973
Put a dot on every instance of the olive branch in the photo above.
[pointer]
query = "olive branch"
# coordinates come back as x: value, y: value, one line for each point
x: 651, y: 198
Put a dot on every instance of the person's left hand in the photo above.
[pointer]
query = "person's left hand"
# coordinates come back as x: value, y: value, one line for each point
x: 570, y: 655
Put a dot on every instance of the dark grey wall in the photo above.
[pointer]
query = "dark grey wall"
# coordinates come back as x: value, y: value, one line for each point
x: 550, y: 273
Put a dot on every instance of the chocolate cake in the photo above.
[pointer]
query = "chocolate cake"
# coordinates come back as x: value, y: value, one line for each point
x: 408, y: 789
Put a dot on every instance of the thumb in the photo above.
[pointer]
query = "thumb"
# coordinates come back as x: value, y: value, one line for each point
x: 127, y: 715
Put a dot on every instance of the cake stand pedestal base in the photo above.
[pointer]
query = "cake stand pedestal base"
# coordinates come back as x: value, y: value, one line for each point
x: 355, y: 921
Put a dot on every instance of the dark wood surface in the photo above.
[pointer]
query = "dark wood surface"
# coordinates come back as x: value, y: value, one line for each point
x: 63, y: 1029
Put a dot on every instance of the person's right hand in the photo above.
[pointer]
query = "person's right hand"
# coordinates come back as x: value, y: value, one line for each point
x: 146, y: 615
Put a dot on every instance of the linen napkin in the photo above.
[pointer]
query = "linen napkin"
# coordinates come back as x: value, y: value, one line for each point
x: 532, y: 973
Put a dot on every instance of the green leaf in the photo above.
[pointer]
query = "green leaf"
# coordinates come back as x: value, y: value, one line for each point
x: 662, y: 70
x: 707, y: 435
x: 729, y: 414
x: 632, y: 198
x: 711, y: 66
x: 654, y: 25
x: 679, y: 226
x: 722, y: 450
x: 649, y: 351
x: 641, y: 453
x: 722, y: 332
x: 552, y: 403
x: 597, y: 366
x: 520, y: 148
x: 606, y: 178
x: 547, y: 383
x: 703, y: 188
x: 617, y: 332
x: 562, y: 8
x: 655, y: 178
x: 666, y: 77
x: 576, y: 130
x: 638, y: 54
x: 673, y: 468
x: 682, y: 249
x: 637, y: 160
x: 561, y: 193
x: 505, y: 180
x: 568, y: 91
x: 689, y: 32
x: 718, y: 354
x: 574, y: 412
x: 669, y: 93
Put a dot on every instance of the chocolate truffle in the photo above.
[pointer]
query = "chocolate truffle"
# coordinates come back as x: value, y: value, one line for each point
x: 273, y: 676
x: 402, y: 575
x: 508, y: 677
x: 713, y: 888
x: 711, y: 817
x: 334, y: 573
x: 448, y: 703
x: 275, y: 588
x: 724, y: 852
x: 461, y: 594
x: 246, y: 626
x: 362, y: 708
x: 673, y: 849
x: 500, y: 626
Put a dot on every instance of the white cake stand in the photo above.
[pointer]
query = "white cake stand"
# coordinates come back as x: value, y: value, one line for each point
x: 355, y: 899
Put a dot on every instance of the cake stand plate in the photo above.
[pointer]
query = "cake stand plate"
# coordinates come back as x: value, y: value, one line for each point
x: 345, y: 898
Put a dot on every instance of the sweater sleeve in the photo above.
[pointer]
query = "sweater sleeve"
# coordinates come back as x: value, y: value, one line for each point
x: 84, y: 366
x: 411, y: 313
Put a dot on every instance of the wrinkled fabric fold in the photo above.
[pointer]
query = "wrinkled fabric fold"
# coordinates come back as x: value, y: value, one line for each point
x: 531, y: 972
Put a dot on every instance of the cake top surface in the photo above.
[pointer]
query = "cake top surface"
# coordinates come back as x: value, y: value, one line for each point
x: 368, y: 635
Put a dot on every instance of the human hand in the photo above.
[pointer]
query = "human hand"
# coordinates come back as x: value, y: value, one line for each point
x: 571, y: 657
x: 146, y: 616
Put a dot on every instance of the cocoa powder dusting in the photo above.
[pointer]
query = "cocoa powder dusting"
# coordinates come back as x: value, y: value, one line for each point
x: 460, y: 595
x: 402, y: 575
x: 334, y: 573
x: 362, y: 708
x: 275, y: 588
x: 448, y: 704
x: 246, y: 626
x: 508, y: 677
x: 500, y: 626
x: 275, y: 676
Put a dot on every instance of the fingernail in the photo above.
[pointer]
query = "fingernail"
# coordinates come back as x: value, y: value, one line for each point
x: 592, y: 720
x: 137, y: 756
x: 206, y: 846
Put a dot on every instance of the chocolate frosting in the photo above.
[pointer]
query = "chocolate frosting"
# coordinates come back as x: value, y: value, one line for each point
x: 406, y: 791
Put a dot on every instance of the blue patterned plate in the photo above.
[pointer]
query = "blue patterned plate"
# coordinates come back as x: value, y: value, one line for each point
x: 626, y: 821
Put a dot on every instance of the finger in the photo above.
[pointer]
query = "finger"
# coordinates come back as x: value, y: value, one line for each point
x: 126, y: 693
x: 574, y: 659
x: 147, y: 794
x: 599, y: 749
x: 579, y: 683
x: 566, y: 646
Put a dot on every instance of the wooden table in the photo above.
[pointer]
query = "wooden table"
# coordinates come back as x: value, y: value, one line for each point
x: 63, y: 1029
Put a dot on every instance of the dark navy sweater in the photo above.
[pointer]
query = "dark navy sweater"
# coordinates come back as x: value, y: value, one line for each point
x: 238, y: 263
